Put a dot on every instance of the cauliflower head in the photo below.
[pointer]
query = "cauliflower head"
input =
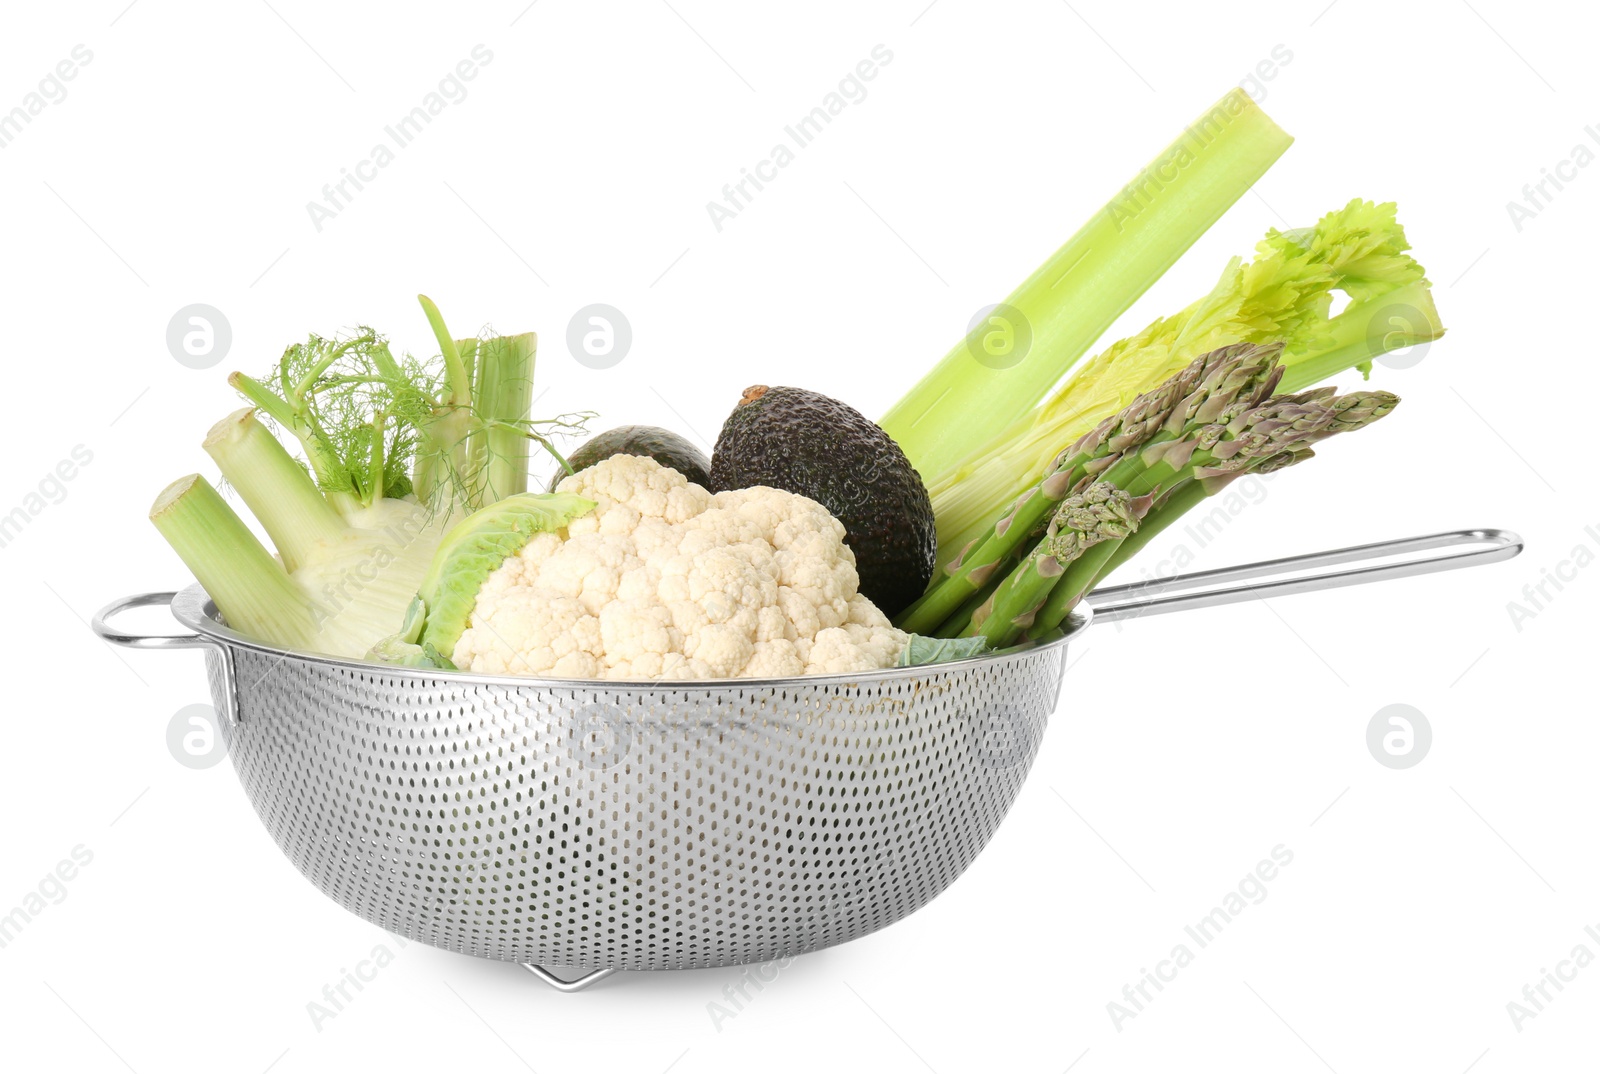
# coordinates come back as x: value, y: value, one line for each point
x: 663, y: 580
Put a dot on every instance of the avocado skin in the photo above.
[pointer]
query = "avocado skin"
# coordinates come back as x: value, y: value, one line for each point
x: 662, y: 445
x: 810, y: 444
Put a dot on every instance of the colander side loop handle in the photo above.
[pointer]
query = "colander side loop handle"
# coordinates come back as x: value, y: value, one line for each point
x: 101, y: 625
x: 1156, y: 596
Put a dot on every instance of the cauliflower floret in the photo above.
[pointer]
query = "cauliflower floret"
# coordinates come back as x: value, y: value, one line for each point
x: 630, y: 629
x: 515, y: 631
x: 663, y: 580
x: 854, y: 647
x: 774, y: 660
x: 865, y: 613
x: 578, y: 665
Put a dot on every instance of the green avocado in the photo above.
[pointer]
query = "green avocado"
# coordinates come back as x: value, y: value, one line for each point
x: 818, y: 447
x: 662, y: 445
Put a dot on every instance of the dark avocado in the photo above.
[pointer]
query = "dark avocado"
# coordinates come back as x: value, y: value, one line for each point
x: 809, y: 444
x: 662, y: 445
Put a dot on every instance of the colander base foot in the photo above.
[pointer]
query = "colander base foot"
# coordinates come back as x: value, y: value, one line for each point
x: 577, y: 984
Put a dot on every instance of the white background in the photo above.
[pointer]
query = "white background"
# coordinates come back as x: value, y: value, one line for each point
x: 1419, y: 902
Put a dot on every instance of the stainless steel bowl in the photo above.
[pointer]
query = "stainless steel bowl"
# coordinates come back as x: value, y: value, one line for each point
x: 660, y: 825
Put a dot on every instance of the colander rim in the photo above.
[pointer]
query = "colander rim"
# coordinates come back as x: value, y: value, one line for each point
x: 194, y: 609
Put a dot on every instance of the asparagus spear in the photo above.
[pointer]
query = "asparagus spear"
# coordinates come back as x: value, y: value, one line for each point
x: 1100, y: 513
x: 1175, y: 504
x: 1276, y: 434
x: 1163, y: 513
x: 1214, y: 387
x: 1167, y: 510
x: 953, y: 626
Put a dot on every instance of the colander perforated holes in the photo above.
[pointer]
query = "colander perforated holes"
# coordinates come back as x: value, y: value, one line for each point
x: 633, y: 828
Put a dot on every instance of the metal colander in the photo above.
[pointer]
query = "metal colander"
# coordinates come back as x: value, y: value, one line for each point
x: 648, y: 826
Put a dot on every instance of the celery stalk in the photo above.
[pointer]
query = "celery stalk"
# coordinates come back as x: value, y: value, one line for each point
x: 1281, y: 296
x: 1076, y: 295
x: 1404, y: 317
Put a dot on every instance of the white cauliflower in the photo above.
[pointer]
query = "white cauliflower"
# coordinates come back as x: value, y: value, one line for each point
x: 663, y: 580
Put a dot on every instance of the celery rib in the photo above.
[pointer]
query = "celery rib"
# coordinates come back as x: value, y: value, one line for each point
x: 1075, y: 296
x: 1281, y: 296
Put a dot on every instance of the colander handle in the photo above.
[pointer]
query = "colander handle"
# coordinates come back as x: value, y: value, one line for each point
x: 101, y: 625
x: 1152, y: 597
